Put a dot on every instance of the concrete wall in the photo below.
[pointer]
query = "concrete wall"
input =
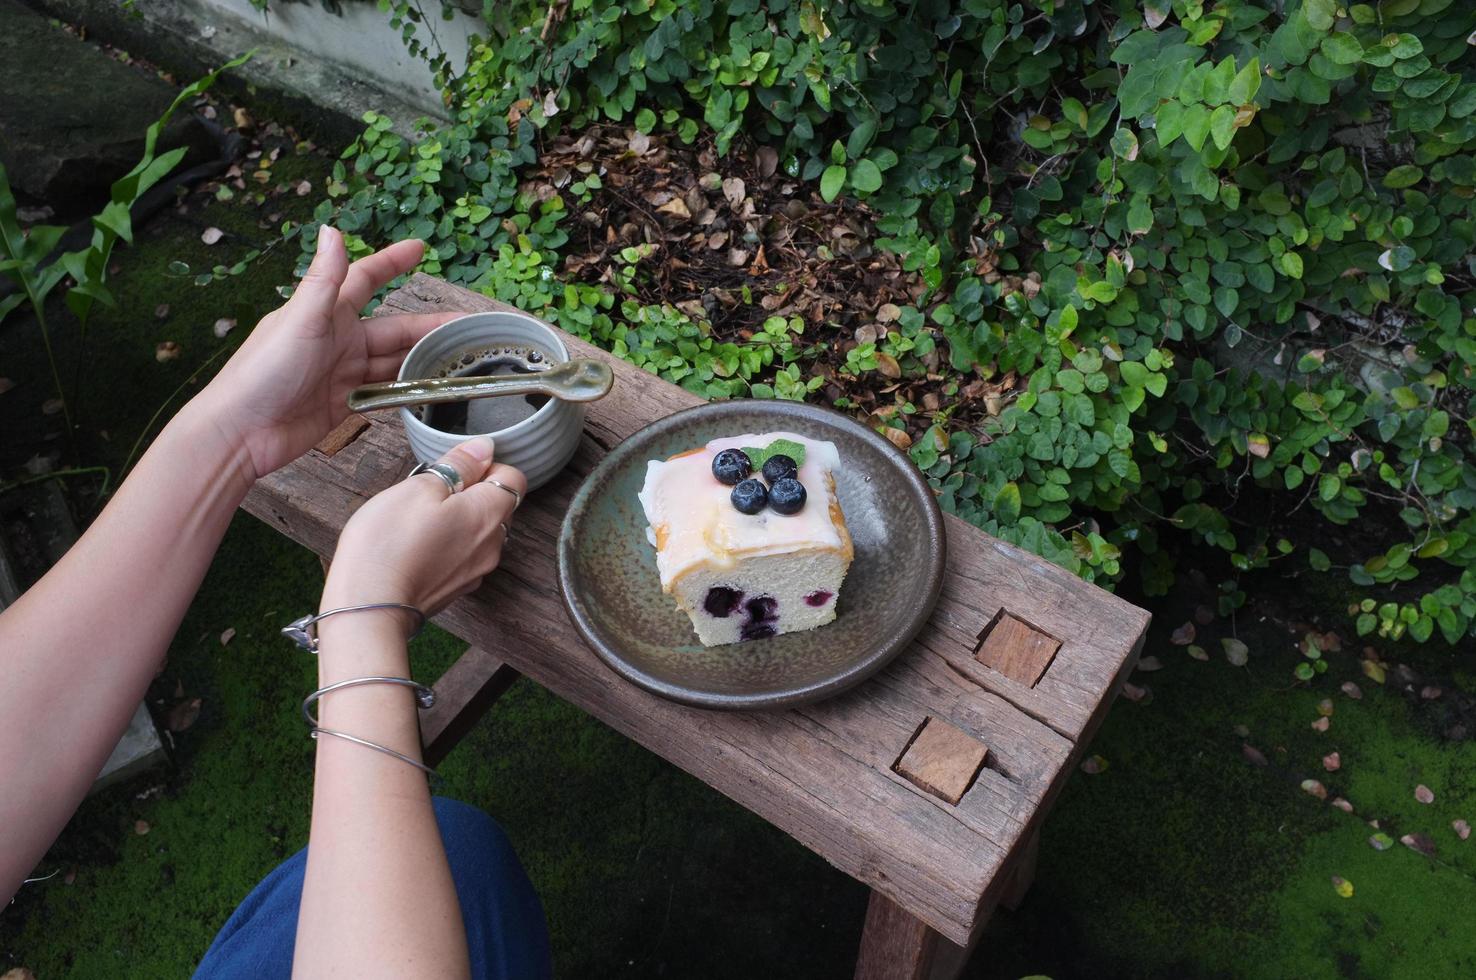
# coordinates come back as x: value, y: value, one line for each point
x: 358, y: 39
x: 322, y: 65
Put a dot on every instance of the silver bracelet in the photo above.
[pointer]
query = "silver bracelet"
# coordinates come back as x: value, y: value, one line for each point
x: 424, y: 696
x: 302, y: 631
x: 376, y: 747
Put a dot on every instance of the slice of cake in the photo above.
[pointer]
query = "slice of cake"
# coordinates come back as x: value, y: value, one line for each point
x: 749, y: 535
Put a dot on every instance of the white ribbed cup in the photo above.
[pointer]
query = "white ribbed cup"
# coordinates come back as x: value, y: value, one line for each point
x: 541, y: 444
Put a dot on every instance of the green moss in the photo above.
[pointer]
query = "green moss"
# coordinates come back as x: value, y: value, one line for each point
x: 1181, y: 859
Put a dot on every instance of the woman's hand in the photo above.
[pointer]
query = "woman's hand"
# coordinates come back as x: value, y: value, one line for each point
x: 286, y: 388
x: 419, y: 544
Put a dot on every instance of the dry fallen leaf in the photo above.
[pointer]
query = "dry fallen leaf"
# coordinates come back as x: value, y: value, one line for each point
x: 224, y: 326
x: 734, y: 190
x: 51, y: 406
x: 1342, y: 804
x: 1419, y: 842
x: 1252, y: 754
x: 887, y: 366
x: 1325, y: 707
x: 1373, y: 671
x: 166, y: 350
x: 1235, y: 651
x: 1183, y: 636
x: 1423, y: 794
x: 1353, y: 690
x: 1462, y: 829
x: 141, y: 827
x: 304, y: 188
x: 18, y: 973
x: 227, y: 635
x: 211, y: 235
x: 242, y: 118
x: 161, y: 311
x: 1094, y: 765
x: 183, y: 714
x: 5, y: 385
x: 1322, y: 724
x: 898, y: 438
x: 1150, y: 664
x: 1332, y: 762
x: 888, y: 313
x: 1342, y: 886
x: 1315, y: 788
x: 768, y: 161
x: 1430, y: 692
x: 1137, y: 694
x: 677, y: 208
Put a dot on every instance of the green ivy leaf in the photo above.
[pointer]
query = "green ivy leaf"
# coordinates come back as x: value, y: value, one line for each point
x: 1222, y: 125
x: 1404, y: 175
x: 1168, y: 122
x: 1217, y: 82
x: 1342, y: 48
x: 1291, y: 264
x: 1140, y: 215
x: 1318, y: 560
x: 1320, y: 14
x: 1246, y: 84
x: 866, y: 177
x: 1007, y: 503
x: 831, y: 183
x: 1196, y: 125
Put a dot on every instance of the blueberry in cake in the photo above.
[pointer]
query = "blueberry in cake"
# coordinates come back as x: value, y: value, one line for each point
x: 749, y: 535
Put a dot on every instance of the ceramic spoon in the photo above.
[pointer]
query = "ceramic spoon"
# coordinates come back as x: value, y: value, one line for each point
x: 571, y: 381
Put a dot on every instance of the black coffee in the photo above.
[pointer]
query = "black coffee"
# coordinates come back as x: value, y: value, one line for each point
x: 488, y: 414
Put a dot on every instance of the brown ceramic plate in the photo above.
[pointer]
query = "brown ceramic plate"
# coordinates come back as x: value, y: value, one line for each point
x: 607, y: 568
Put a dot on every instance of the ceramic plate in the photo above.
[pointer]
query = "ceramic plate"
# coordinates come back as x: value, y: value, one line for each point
x: 607, y: 568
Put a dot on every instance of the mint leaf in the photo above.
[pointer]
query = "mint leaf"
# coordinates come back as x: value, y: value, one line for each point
x: 779, y: 447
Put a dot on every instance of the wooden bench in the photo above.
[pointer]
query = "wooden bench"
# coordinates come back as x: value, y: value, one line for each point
x: 928, y: 782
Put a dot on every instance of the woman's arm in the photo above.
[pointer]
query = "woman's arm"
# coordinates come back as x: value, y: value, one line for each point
x: 78, y: 650
x: 378, y: 898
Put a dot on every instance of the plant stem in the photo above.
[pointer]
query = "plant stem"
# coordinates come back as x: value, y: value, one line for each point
x: 51, y: 359
x: 59, y: 474
x: 133, y: 453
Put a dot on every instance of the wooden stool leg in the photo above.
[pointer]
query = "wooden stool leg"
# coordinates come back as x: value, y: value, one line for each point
x: 463, y: 695
x: 896, y: 945
x: 1024, y: 874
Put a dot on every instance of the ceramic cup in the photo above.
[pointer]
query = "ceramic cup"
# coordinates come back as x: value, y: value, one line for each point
x: 539, y: 445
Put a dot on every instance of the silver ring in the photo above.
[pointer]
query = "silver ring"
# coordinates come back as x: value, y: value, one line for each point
x: 448, y: 474
x: 517, y: 497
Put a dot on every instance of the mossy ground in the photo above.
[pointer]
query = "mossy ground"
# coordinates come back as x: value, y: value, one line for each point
x: 1180, y: 859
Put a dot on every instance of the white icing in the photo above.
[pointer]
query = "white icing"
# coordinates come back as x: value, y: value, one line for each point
x: 702, y: 527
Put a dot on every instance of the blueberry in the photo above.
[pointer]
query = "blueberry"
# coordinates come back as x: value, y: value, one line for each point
x: 749, y: 497
x: 722, y: 601
x: 731, y: 466
x: 758, y: 631
x: 778, y: 468
x: 787, y: 496
x: 762, y: 608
